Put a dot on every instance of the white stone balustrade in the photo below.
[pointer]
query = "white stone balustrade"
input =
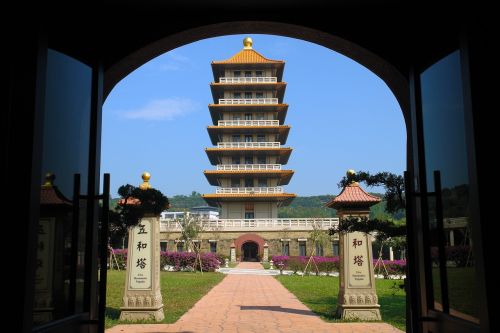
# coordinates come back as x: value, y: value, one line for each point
x: 171, y: 225
x: 248, y: 101
x: 244, y: 79
x: 248, y: 123
x: 248, y: 145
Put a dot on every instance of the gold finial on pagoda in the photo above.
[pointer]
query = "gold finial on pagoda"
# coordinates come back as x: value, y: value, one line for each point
x: 49, y: 180
x: 247, y: 43
x: 145, y: 185
x: 350, y: 177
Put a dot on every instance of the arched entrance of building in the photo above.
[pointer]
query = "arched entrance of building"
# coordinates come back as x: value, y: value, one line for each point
x: 397, y: 64
x: 250, y: 251
x: 254, y: 249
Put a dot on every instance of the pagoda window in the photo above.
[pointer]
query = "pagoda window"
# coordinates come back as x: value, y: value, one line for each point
x: 248, y: 73
x: 236, y: 116
x: 237, y: 95
x: 249, y: 215
x: 335, y: 248
x: 302, y: 248
x: 235, y: 182
x: 259, y: 116
x: 237, y: 73
x: 236, y: 138
x: 236, y: 160
x: 262, y: 182
x: 248, y: 138
x: 319, y: 249
x: 258, y: 73
x: 180, y: 247
x: 261, y: 159
x: 248, y: 182
x: 213, y: 247
x: 259, y: 95
x: 248, y: 95
x: 261, y: 138
x: 248, y: 116
x: 285, y: 248
x: 248, y: 159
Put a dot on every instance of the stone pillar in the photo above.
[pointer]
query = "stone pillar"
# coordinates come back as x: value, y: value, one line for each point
x: 233, y: 252
x: 391, y: 254
x: 265, y: 257
x: 357, y: 296
x: 142, y: 299
x: 452, y: 238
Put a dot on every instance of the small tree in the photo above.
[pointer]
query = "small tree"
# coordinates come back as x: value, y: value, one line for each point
x: 318, y: 236
x: 191, y: 227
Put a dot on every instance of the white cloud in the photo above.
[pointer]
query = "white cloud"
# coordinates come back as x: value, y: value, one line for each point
x: 174, y: 62
x: 162, y: 109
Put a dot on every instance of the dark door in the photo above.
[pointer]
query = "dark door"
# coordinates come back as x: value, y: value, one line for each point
x: 250, y: 250
x: 65, y: 282
x: 448, y: 268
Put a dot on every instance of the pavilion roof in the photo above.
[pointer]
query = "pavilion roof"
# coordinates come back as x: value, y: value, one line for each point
x: 353, y: 195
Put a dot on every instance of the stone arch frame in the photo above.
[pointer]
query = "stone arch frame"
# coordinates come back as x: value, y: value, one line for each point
x: 245, y: 238
x: 395, y: 80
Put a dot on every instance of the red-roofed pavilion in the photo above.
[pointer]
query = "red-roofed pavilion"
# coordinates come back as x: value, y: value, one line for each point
x: 357, y: 295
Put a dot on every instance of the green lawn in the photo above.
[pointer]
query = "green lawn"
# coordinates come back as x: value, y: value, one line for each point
x: 319, y: 293
x: 462, y: 289
x: 180, y: 291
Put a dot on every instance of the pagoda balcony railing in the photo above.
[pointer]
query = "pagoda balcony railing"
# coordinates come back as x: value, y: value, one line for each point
x: 243, y: 167
x: 262, y: 79
x: 249, y: 190
x: 248, y: 101
x: 248, y: 123
x: 248, y: 145
x: 169, y: 225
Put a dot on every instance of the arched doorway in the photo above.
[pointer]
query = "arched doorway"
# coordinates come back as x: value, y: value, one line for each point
x: 408, y: 55
x: 249, y: 251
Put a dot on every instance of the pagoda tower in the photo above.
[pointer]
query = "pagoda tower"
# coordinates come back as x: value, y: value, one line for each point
x: 248, y: 134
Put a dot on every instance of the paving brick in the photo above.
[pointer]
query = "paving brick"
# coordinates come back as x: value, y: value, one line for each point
x: 248, y: 304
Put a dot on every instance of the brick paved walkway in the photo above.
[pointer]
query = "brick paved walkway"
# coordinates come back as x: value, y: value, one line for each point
x: 249, y: 265
x: 250, y: 303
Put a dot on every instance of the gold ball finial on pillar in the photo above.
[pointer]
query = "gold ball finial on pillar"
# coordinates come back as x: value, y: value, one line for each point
x: 350, y: 177
x: 49, y: 179
x: 247, y: 43
x: 350, y: 173
x: 145, y: 177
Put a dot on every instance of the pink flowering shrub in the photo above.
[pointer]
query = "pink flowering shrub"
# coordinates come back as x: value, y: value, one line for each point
x: 179, y: 260
x: 331, y: 264
x: 395, y: 267
x: 186, y: 260
x: 298, y: 263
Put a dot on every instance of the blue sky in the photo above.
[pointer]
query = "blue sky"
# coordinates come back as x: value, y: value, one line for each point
x: 342, y: 116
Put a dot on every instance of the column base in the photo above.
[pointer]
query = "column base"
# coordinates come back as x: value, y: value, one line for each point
x: 353, y: 312
x: 134, y: 314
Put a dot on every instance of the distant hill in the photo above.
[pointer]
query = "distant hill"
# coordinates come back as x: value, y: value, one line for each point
x: 181, y: 202
x: 301, y: 207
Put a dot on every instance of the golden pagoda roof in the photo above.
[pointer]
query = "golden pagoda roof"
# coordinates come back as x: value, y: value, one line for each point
x: 248, y: 56
x: 283, y: 176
